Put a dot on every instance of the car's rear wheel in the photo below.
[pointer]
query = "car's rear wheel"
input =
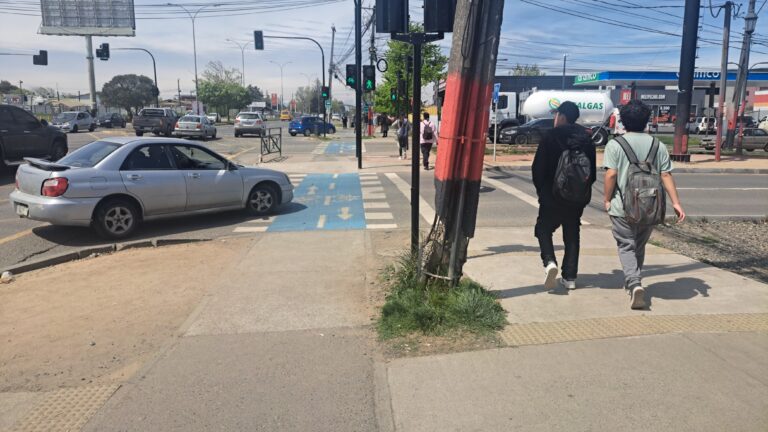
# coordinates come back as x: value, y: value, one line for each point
x: 139, y: 133
x: 92, y: 128
x: 58, y: 151
x: 237, y: 134
x: 292, y: 133
x: 307, y: 132
x: 116, y: 219
x: 74, y: 129
x: 262, y: 200
x: 521, y: 139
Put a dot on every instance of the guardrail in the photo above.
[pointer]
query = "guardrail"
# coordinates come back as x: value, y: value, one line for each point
x: 271, y: 142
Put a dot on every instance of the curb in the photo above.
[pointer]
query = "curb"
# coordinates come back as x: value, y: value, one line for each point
x: 489, y: 167
x: 94, y: 251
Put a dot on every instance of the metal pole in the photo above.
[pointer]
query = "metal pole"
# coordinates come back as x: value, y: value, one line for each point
x: 496, y: 122
x: 721, y: 111
x: 417, y: 44
x: 685, y: 84
x: 563, y: 85
x: 359, y: 90
x: 742, y: 79
x: 747, y: 47
x: 178, y: 87
x: 331, y: 66
x: 91, y: 72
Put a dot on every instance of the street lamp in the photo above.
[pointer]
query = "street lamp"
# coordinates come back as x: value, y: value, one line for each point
x: 242, y: 47
x: 281, y: 65
x: 193, y: 16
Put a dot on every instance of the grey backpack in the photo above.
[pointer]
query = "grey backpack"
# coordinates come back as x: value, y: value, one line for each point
x: 645, y: 202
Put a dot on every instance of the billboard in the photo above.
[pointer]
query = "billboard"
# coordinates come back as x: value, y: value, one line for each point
x: 88, y: 17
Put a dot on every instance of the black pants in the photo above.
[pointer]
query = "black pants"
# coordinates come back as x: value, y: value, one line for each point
x: 384, y: 132
x: 425, y: 150
x: 549, y: 220
x: 402, y: 143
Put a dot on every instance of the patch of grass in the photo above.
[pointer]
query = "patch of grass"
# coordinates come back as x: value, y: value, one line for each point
x: 434, y: 308
x: 669, y: 140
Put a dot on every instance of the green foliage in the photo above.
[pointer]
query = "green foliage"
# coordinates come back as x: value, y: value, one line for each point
x: 433, y: 68
x: 224, y: 95
x: 434, y: 308
x: 130, y: 92
x: 527, y: 70
x: 7, y: 87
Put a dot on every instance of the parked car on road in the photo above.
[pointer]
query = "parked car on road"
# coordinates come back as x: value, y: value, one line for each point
x: 114, y: 184
x: 250, y: 123
x: 155, y: 120
x: 195, y: 126
x: 23, y: 135
x: 309, y: 125
x: 336, y: 117
x: 285, y: 115
x: 214, y: 118
x: 528, y: 133
x: 702, y: 125
x: 754, y: 139
x: 111, y: 120
x: 74, y: 121
x: 503, y: 124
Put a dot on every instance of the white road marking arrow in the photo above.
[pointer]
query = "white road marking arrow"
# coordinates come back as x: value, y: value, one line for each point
x: 345, y: 214
x: 312, y: 190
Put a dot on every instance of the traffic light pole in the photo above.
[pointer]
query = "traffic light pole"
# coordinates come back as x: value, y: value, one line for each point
x: 685, y: 84
x: 358, y: 87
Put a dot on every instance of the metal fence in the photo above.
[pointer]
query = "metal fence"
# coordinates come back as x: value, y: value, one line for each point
x: 271, y: 142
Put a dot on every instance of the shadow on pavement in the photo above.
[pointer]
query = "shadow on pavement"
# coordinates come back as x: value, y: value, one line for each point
x: 498, y: 250
x: 7, y: 176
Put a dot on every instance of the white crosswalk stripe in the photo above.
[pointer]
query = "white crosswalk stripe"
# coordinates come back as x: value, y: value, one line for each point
x: 374, y: 201
x: 320, y: 149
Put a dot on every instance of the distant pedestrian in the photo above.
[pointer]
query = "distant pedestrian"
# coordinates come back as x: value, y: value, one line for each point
x: 634, y: 194
x: 428, y: 136
x: 344, y: 121
x: 564, y: 170
x: 403, y: 129
x: 384, y: 122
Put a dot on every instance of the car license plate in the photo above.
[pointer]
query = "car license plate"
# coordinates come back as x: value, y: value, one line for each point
x: 22, y: 210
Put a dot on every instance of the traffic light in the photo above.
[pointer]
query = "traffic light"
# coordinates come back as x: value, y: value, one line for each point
x: 102, y: 51
x: 393, y: 94
x: 401, y: 86
x: 391, y: 16
x: 352, y: 76
x: 40, y: 59
x: 325, y: 93
x: 258, y: 40
x: 438, y: 16
x: 369, y: 78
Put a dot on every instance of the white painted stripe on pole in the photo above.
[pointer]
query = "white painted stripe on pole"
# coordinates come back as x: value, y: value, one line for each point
x: 378, y: 216
x: 375, y: 205
x: 250, y: 229
x: 364, y: 149
x: 425, y: 210
x: 381, y: 226
x: 321, y: 222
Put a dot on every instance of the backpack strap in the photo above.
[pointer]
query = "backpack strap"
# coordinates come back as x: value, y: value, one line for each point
x: 628, y: 150
x: 651, y: 158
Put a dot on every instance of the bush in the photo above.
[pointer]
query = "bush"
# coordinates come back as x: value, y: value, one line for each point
x: 433, y: 307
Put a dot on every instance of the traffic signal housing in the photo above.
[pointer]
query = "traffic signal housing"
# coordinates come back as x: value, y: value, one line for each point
x: 103, y: 51
x: 369, y: 78
x: 40, y: 59
x: 352, y: 76
x: 393, y: 94
x: 325, y: 92
x: 258, y: 39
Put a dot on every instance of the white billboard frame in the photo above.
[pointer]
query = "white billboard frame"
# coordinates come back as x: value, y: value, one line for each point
x: 88, y: 18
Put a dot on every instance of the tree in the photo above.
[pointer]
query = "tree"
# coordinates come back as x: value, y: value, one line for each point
x: 222, y: 95
x: 257, y: 95
x: 45, y: 92
x: 308, y: 99
x: 527, y: 70
x: 432, y: 69
x: 7, y: 87
x: 130, y: 92
x: 216, y: 72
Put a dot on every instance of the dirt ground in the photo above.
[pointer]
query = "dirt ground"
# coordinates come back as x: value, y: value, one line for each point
x: 99, y: 320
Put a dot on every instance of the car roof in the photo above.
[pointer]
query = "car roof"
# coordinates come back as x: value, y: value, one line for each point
x: 125, y: 140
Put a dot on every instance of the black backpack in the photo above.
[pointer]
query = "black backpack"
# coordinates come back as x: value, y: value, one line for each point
x: 572, y: 184
x: 427, y: 133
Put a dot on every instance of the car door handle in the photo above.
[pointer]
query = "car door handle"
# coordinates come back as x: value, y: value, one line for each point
x: 26, y: 131
x: 4, y: 130
x: 194, y: 175
x: 134, y: 177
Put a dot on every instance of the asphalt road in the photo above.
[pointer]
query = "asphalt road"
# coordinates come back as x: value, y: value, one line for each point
x: 374, y: 200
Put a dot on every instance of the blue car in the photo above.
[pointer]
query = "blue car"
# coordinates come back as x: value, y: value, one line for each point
x: 307, y: 126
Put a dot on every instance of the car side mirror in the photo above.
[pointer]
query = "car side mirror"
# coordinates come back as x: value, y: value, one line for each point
x: 44, y: 122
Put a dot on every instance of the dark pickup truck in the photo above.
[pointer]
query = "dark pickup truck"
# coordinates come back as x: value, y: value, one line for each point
x: 23, y: 135
x: 155, y: 120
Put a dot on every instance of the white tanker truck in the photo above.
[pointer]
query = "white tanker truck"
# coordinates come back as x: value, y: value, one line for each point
x: 595, y: 109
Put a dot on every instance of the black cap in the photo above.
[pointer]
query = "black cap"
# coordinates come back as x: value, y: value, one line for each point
x: 569, y: 109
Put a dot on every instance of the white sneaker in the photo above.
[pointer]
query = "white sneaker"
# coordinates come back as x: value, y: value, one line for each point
x: 551, y: 271
x: 568, y: 284
x: 638, y: 298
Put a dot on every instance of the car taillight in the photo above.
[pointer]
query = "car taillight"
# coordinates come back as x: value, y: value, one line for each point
x: 237, y: 120
x: 177, y: 125
x: 199, y: 126
x: 55, y: 187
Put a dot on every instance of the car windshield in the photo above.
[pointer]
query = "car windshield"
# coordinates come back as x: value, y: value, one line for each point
x: 248, y: 116
x: 190, y: 119
x: 151, y: 113
x: 537, y: 122
x: 89, y: 155
x: 64, y: 117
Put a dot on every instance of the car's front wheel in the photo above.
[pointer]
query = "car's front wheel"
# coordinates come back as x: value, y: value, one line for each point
x: 293, y: 133
x: 58, y: 151
x: 139, y: 133
x: 92, y: 128
x: 307, y: 132
x: 521, y: 139
x: 116, y: 219
x: 262, y: 200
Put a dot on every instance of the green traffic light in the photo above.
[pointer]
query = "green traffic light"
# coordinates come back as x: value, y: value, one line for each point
x: 369, y: 84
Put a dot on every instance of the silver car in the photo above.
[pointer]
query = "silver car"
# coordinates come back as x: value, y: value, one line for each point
x: 197, y: 126
x: 114, y: 184
x: 73, y: 121
x: 250, y: 123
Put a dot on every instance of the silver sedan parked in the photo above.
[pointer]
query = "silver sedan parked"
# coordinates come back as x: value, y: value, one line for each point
x: 197, y: 126
x: 115, y: 183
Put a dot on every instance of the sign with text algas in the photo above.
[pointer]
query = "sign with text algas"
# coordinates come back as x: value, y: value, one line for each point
x: 88, y: 17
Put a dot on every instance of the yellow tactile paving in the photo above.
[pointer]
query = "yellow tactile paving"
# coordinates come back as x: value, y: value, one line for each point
x: 65, y: 409
x: 602, y: 328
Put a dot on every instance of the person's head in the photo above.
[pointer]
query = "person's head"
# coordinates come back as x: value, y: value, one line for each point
x: 426, y: 116
x: 635, y: 115
x: 566, y: 113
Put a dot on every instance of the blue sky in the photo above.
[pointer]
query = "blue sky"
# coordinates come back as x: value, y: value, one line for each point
x: 531, y: 34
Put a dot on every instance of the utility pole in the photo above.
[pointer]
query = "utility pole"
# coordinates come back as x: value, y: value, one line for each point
x: 750, y: 21
x: 372, y: 60
x: 565, y: 56
x: 358, y: 80
x: 178, y: 87
x: 242, y: 47
x: 685, y: 82
x: 331, y: 66
x: 721, y: 111
x: 91, y: 72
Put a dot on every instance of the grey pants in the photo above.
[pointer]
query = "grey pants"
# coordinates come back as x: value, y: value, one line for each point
x: 631, y: 240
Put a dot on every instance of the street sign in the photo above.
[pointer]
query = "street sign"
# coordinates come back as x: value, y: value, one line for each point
x: 327, y: 104
x: 496, y: 90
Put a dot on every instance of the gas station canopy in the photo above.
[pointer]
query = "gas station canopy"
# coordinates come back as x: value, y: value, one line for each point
x: 643, y: 78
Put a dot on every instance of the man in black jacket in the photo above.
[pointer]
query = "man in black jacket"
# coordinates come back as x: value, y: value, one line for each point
x: 554, y: 211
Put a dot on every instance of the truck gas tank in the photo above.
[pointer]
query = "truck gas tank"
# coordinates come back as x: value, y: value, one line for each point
x: 595, y: 107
